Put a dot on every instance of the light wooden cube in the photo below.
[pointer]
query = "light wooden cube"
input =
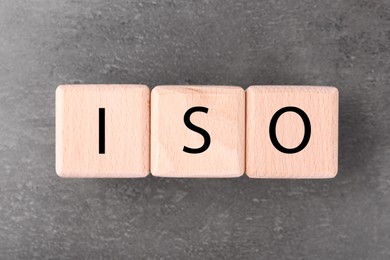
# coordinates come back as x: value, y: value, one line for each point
x: 286, y: 144
x: 102, y: 131
x: 223, y: 120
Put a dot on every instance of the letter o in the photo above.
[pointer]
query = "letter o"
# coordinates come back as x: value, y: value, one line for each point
x: 272, y: 130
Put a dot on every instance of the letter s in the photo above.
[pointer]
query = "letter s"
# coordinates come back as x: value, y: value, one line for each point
x: 204, y: 133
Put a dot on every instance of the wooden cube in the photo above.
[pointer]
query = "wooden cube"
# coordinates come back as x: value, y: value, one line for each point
x: 198, y: 131
x: 102, y: 131
x: 291, y: 132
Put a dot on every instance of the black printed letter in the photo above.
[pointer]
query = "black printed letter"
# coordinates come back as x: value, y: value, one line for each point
x: 199, y: 130
x: 272, y: 130
x: 102, y: 129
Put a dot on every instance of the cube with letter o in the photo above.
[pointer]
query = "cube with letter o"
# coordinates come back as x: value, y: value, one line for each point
x: 291, y: 132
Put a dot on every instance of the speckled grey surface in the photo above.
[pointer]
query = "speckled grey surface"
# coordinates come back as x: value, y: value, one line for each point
x: 345, y: 43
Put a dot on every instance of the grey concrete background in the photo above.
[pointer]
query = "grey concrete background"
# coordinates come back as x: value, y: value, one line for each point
x: 43, y: 43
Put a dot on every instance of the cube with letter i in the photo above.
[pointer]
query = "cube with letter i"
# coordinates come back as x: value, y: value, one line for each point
x: 102, y: 131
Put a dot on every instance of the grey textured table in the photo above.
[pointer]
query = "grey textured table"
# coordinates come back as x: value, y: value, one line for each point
x: 345, y: 43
